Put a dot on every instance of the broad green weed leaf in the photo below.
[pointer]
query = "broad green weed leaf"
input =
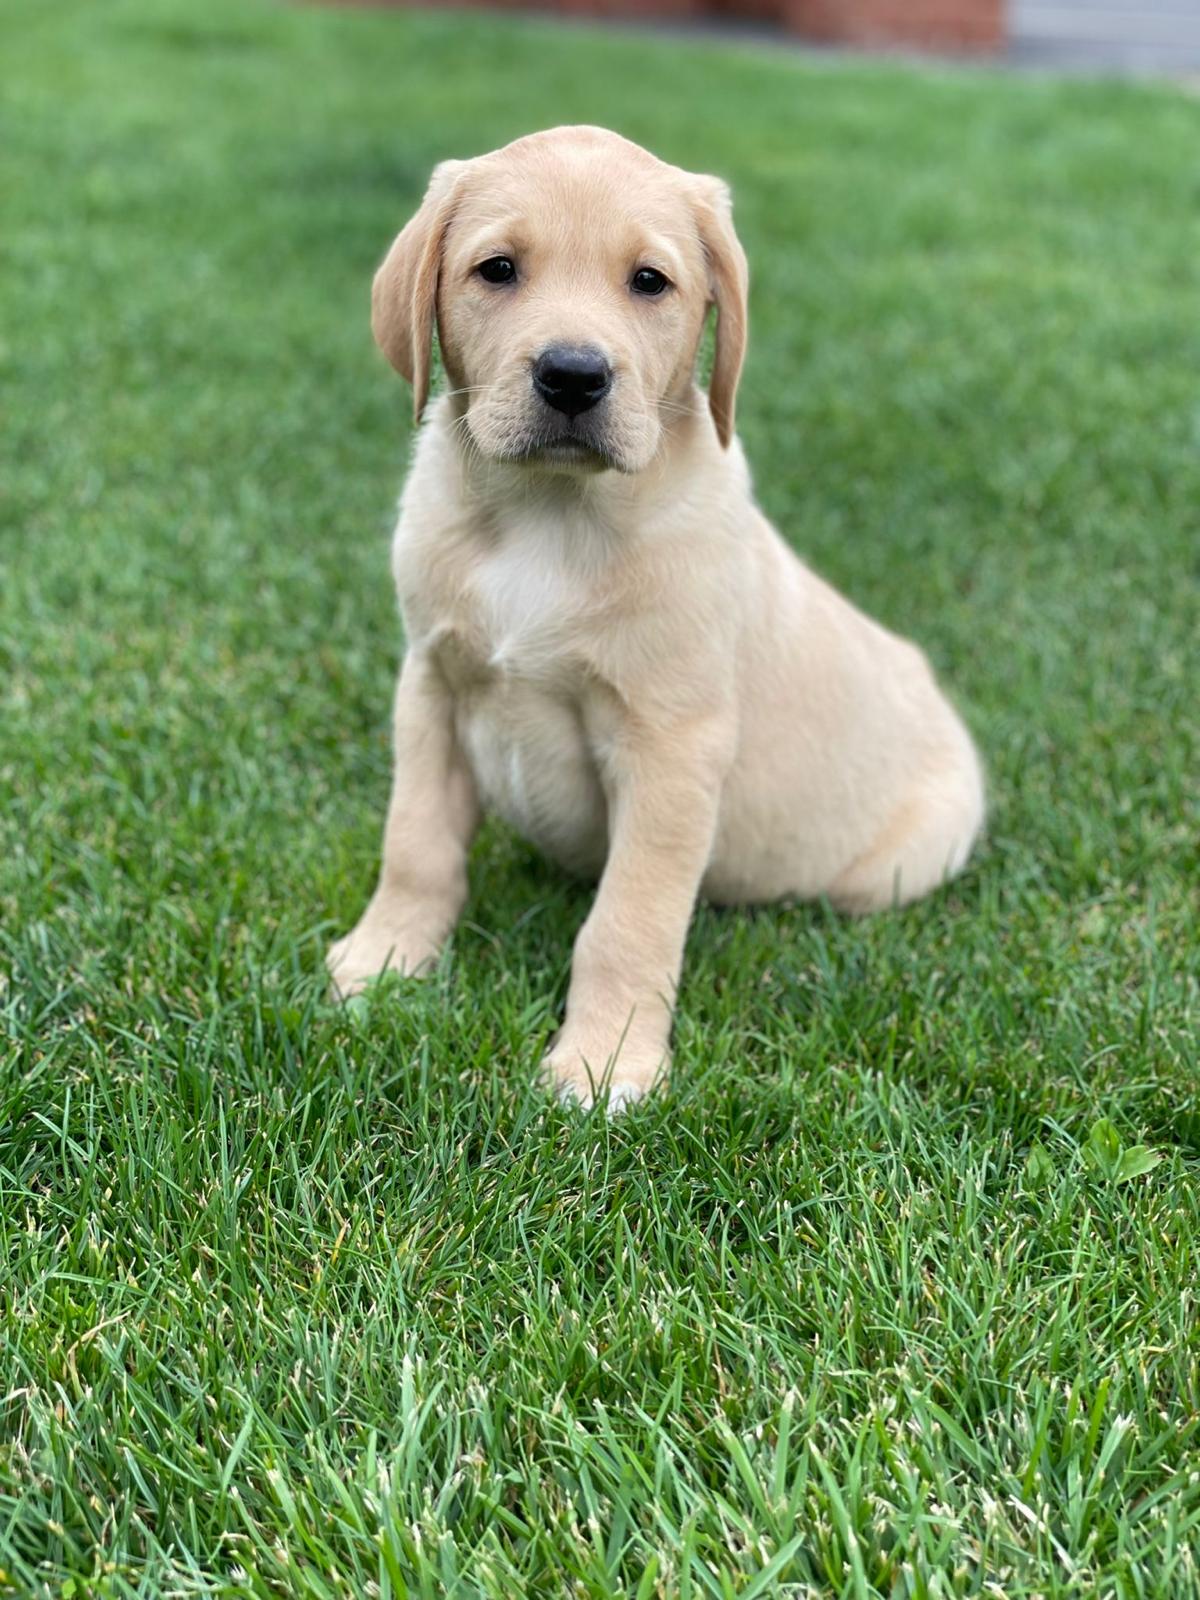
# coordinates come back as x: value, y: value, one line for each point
x: 1136, y: 1161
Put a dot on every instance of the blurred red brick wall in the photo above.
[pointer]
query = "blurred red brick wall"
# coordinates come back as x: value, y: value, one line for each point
x: 939, y: 24
x: 976, y: 25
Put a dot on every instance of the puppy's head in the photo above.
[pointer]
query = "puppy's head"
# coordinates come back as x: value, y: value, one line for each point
x: 570, y: 275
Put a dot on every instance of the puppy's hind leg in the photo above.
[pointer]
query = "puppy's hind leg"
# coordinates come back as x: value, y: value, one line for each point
x: 926, y: 843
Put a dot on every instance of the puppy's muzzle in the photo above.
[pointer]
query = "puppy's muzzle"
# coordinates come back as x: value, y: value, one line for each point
x: 571, y: 379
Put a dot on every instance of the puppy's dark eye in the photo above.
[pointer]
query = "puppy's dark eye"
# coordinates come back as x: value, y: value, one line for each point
x: 646, y: 280
x: 497, y: 269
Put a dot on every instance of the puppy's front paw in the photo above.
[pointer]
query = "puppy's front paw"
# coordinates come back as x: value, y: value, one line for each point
x: 618, y: 1081
x: 377, y: 945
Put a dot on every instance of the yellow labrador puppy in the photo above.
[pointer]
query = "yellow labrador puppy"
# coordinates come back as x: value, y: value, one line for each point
x: 608, y: 643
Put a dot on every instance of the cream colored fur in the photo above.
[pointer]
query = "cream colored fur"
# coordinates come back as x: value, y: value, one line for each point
x: 608, y: 644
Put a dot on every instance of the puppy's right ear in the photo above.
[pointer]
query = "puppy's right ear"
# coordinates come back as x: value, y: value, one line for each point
x: 404, y: 294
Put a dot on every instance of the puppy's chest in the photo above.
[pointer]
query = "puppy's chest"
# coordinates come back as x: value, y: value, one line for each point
x: 512, y: 642
x: 518, y: 616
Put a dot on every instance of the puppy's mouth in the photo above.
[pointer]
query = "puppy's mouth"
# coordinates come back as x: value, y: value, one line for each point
x: 570, y: 452
x: 540, y: 439
x: 566, y: 449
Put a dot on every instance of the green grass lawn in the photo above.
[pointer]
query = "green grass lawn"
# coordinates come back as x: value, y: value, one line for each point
x: 299, y: 1300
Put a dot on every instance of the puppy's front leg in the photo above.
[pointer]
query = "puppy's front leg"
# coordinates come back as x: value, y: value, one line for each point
x: 663, y: 799
x: 432, y: 818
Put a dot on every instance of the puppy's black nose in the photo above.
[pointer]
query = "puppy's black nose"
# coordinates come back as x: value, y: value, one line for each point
x: 570, y: 379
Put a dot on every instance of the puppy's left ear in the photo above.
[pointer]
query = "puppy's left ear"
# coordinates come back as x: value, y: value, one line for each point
x: 729, y: 282
x: 404, y: 294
